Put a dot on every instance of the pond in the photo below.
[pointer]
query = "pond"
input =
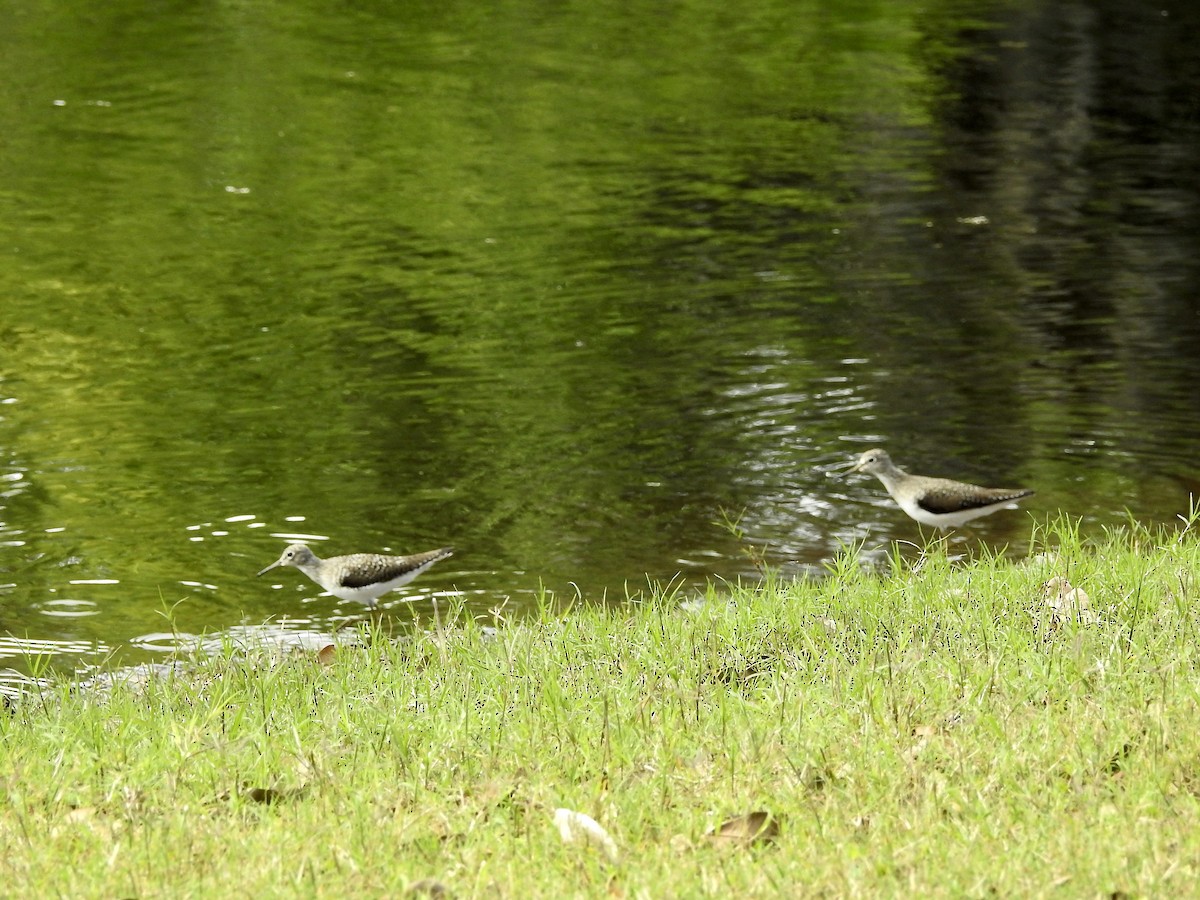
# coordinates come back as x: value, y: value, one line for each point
x: 572, y: 290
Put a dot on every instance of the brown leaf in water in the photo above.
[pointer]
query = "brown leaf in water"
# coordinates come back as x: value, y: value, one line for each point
x: 327, y: 655
x: 754, y: 827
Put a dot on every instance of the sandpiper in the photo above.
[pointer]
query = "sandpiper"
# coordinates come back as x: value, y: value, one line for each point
x: 935, y: 501
x: 361, y: 577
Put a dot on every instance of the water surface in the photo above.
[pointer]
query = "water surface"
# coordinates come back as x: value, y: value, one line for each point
x: 567, y: 288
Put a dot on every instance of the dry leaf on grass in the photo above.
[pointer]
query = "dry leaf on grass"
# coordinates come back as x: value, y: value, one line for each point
x: 1067, y: 603
x: 680, y: 843
x: 267, y: 796
x: 327, y: 655
x: 1116, y: 763
x: 427, y: 887
x: 922, y: 735
x: 86, y: 817
x: 752, y: 828
x: 577, y: 827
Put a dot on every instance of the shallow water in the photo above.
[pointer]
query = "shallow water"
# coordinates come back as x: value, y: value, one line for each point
x: 566, y: 289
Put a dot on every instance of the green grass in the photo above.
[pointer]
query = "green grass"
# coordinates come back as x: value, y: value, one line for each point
x: 935, y: 730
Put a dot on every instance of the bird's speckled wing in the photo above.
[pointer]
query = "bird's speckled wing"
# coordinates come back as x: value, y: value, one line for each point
x: 366, y: 569
x: 940, y: 497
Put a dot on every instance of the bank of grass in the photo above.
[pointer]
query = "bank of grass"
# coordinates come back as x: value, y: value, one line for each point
x: 939, y: 730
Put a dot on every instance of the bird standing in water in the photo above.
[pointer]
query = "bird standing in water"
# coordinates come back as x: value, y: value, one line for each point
x: 361, y: 577
x: 935, y: 501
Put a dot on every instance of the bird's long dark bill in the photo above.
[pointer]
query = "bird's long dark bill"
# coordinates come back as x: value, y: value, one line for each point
x: 269, y: 568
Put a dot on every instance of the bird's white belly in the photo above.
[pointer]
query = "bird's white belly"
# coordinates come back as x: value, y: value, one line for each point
x: 946, y: 520
x: 370, y: 592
